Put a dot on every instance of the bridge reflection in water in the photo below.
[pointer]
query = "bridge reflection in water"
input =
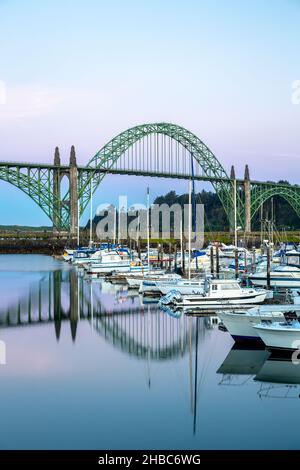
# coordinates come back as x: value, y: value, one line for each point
x: 113, y: 312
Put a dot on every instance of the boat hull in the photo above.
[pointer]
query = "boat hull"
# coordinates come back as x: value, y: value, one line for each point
x: 262, y: 282
x: 109, y: 268
x: 212, y: 302
x: 240, y: 326
x: 279, y: 338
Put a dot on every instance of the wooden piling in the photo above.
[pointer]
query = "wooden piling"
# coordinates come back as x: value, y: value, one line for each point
x: 236, y: 263
x: 217, y: 262
x: 268, y: 268
x: 212, y: 260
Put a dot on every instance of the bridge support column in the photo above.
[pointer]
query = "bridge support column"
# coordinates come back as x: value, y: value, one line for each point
x: 73, y: 194
x: 247, y: 189
x: 56, y: 191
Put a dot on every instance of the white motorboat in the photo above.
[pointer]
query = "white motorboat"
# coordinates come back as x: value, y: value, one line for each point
x: 239, y: 323
x: 218, y: 293
x: 109, y: 261
x: 280, y: 335
x: 228, y: 251
x: 183, y: 286
x: 134, y: 280
x: 281, y: 276
x: 149, y: 286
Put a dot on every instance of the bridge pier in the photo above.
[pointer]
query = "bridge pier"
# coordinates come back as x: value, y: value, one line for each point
x: 247, y: 189
x: 73, y: 179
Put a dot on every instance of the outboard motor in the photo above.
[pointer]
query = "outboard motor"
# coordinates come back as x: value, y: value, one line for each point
x: 170, y: 297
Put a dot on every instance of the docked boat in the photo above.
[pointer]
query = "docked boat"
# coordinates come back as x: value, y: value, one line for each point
x: 217, y: 294
x: 240, y: 323
x: 82, y: 256
x: 183, y: 286
x: 109, y: 261
x: 68, y: 254
x: 228, y: 251
x: 280, y: 335
x: 149, y: 286
x: 281, y: 276
x: 134, y: 280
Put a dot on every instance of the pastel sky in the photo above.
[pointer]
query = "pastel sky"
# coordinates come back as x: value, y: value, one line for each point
x: 80, y: 72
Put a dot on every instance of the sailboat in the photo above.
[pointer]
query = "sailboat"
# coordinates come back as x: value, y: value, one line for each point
x: 281, y: 276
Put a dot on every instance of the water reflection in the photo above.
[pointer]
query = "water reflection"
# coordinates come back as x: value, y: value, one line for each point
x: 129, y: 374
x: 113, y: 312
x: 275, y: 373
x: 279, y: 377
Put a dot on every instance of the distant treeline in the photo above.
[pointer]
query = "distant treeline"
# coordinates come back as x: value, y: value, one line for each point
x: 215, y: 218
x: 284, y: 216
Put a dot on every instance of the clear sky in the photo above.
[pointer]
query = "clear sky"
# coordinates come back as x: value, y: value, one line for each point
x: 80, y: 72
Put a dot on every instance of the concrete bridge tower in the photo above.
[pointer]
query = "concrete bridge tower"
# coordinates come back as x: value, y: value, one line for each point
x: 73, y: 193
x: 232, y: 177
x: 247, y: 190
x: 56, y: 190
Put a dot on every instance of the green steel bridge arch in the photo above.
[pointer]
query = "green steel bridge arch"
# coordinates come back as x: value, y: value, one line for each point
x: 262, y: 192
x: 35, y: 182
x: 41, y: 182
x: 105, y: 159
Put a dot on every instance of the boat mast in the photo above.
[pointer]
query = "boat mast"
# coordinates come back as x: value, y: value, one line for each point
x: 190, y: 225
x: 148, y: 228
x: 91, y: 215
x: 119, y: 220
x: 181, y: 243
x: 78, y: 223
x: 235, y: 217
x: 115, y: 226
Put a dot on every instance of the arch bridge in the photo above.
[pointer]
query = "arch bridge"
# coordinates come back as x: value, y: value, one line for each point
x: 161, y: 150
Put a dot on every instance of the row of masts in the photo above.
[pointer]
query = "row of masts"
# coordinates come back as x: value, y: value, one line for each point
x: 267, y: 227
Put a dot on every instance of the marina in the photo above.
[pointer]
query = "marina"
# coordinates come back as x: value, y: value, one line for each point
x: 105, y: 361
x: 149, y: 233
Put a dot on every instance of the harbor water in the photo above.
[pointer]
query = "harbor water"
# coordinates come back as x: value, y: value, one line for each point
x: 90, y: 365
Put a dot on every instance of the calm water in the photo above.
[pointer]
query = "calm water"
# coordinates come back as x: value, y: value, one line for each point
x: 89, y: 367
